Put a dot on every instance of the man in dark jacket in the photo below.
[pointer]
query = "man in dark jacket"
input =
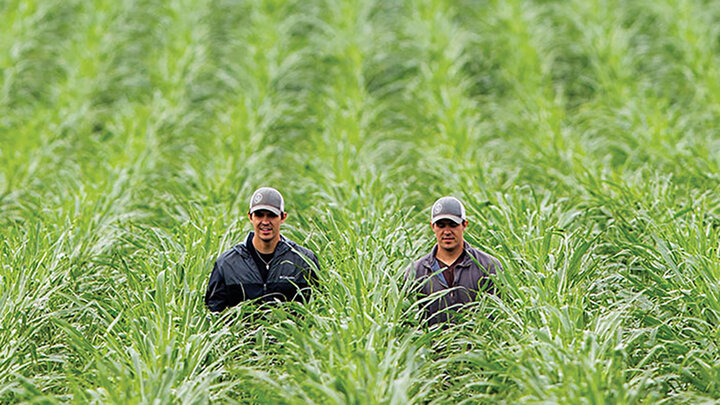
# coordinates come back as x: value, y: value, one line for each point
x: 453, y: 266
x: 267, y: 265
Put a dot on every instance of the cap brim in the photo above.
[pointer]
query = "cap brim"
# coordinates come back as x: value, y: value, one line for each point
x: 453, y: 218
x: 270, y: 208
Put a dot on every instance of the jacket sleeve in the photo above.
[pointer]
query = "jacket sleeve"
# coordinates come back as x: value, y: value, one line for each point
x: 216, y: 294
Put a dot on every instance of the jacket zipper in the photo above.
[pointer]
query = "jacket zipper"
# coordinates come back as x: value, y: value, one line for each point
x: 267, y: 267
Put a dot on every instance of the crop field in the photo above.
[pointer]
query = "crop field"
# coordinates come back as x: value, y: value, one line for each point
x: 583, y: 137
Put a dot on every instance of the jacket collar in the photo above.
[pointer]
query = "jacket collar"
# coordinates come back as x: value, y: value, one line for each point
x: 429, y: 260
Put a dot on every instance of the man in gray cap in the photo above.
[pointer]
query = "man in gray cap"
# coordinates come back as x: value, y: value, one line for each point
x: 453, y: 266
x: 267, y: 266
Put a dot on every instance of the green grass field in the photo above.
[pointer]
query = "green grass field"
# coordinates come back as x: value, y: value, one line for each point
x: 583, y: 137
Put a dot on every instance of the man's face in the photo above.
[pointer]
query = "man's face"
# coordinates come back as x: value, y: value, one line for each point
x: 449, y: 234
x: 266, y: 224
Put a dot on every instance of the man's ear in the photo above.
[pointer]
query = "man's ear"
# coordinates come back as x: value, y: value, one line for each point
x: 283, y: 216
x: 249, y: 216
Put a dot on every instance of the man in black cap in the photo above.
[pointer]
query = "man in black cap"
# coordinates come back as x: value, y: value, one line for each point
x: 267, y: 265
x: 453, y: 265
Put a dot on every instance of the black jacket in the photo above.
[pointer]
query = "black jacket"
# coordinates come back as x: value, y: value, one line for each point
x: 471, y: 275
x: 235, y: 276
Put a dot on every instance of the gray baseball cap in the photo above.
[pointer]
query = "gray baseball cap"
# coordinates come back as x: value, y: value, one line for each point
x: 448, y: 208
x: 267, y: 198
